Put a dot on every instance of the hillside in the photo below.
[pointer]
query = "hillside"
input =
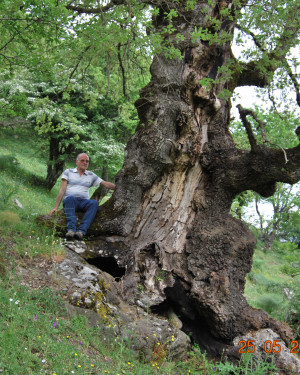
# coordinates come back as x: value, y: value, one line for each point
x: 39, y: 334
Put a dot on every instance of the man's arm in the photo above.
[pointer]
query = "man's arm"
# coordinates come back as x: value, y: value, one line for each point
x: 60, y: 196
x: 108, y: 185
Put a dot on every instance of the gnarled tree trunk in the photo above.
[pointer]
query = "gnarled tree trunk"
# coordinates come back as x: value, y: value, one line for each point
x: 169, y: 218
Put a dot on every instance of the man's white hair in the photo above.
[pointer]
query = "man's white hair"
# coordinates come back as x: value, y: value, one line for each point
x: 82, y: 153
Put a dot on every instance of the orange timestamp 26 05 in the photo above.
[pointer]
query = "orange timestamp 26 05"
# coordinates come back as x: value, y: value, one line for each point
x: 268, y: 347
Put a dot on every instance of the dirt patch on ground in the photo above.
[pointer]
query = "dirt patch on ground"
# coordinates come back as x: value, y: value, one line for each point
x: 39, y: 273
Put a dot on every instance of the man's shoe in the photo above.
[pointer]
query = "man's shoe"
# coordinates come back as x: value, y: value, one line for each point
x: 70, y: 235
x: 78, y: 235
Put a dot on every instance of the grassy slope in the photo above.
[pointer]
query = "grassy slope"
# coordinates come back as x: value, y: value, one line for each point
x: 266, y: 283
x: 35, y: 334
x: 274, y: 282
x: 22, y: 171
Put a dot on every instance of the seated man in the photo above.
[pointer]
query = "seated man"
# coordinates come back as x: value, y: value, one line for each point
x: 75, y: 190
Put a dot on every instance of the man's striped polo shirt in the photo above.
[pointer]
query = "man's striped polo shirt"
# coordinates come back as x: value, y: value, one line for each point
x: 78, y: 186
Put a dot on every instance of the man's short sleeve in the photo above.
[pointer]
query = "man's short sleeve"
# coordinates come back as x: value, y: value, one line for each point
x: 96, y: 180
x: 65, y: 175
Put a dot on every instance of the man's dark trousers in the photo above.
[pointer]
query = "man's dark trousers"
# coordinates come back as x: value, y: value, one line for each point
x: 72, y: 205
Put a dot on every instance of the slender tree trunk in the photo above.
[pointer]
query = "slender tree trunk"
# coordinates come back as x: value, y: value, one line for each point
x: 56, y: 163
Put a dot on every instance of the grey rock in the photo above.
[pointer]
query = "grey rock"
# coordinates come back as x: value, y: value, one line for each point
x: 18, y: 204
x: 153, y: 337
x: 178, y: 346
x: 96, y: 295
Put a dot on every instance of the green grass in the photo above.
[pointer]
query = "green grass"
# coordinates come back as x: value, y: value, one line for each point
x: 267, y: 282
x: 22, y: 172
x: 37, y: 336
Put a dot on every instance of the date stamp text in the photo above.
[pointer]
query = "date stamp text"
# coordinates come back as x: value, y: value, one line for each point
x: 268, y: 347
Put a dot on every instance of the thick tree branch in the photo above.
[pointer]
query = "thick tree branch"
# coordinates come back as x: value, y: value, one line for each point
x: 105, y: 8
x: 262, y: 167
x: 81, y: 9
x: 259, y: 170
x: 252, y: 75
x: 243, y: 114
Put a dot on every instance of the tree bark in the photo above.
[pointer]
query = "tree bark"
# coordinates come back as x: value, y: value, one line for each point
x: 55, y: 165
x: 168, y: 221
x: 101, y: 191
x: 56, y: 161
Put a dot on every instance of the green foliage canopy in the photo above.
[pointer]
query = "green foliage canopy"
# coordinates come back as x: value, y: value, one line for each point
x: 65, y: 43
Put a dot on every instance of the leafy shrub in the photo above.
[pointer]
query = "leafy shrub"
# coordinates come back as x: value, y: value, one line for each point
x: 9, y: 163
x: 251, y: 276
x: 270, y: 302
x: 291, y: 269
x: 294, y: 315
x: 258, y: 263
x: 261, y: 280
x: 284, y: 247
x: 274, y: 286
x: 247, y: 365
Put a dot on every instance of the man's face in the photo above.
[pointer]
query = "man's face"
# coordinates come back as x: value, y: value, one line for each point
x: 82, y: 162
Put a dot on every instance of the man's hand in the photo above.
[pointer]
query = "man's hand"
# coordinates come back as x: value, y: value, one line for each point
x: 60, y: 195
